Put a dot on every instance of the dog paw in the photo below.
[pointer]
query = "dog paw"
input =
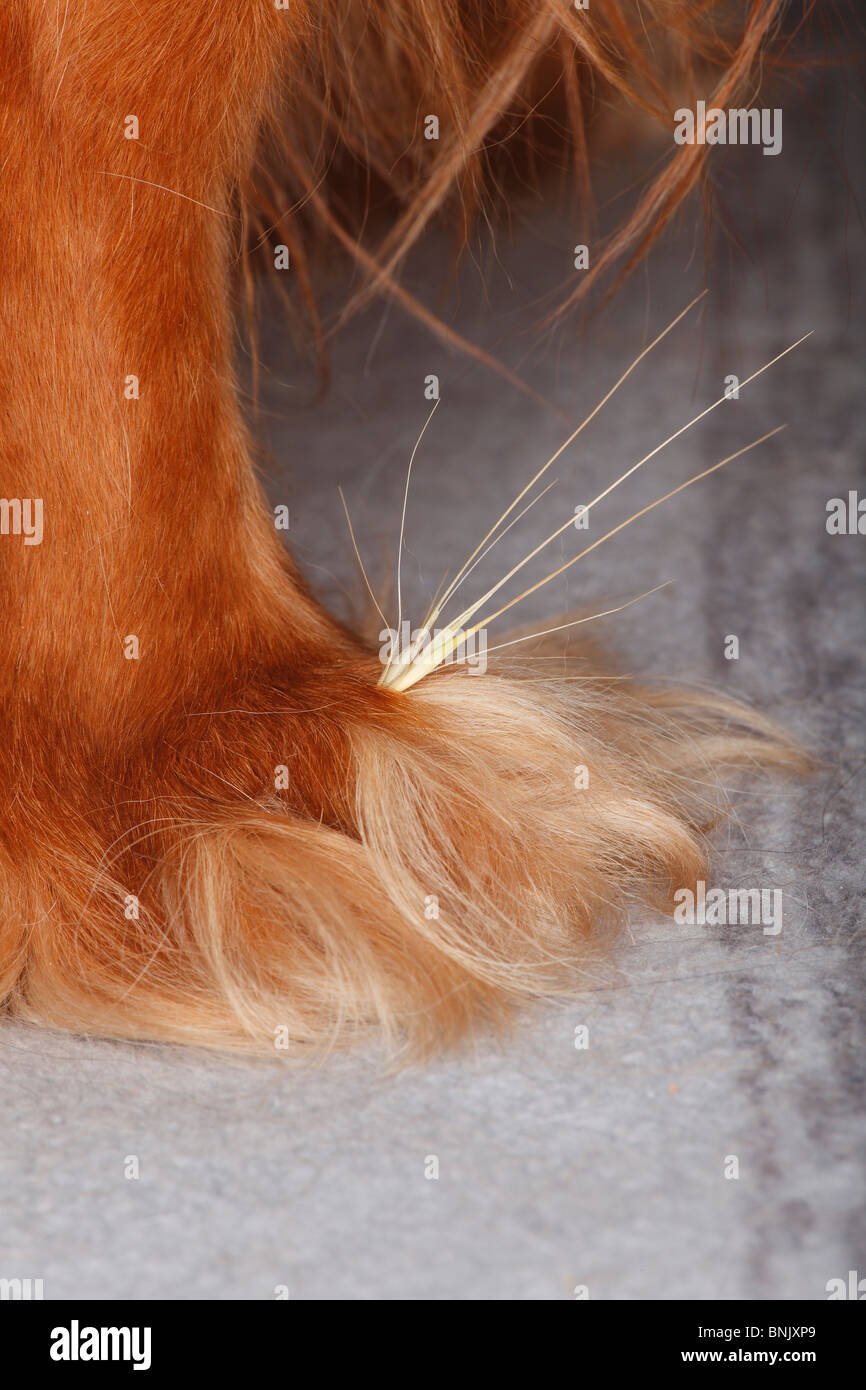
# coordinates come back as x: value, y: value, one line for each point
x: 333, y: 858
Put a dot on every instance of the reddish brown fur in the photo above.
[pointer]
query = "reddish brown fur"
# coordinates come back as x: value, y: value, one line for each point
x: 154, y: 776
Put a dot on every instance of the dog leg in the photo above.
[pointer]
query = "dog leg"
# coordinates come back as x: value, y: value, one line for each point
x: 216, y: 827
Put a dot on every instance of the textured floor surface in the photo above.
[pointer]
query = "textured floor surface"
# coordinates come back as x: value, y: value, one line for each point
x: 558, y: 1167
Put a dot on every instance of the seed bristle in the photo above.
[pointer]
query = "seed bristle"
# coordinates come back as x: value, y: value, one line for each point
x: 430, y: 648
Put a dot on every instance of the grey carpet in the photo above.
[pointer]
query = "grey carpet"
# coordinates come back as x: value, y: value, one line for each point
x: 558, y: 1167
